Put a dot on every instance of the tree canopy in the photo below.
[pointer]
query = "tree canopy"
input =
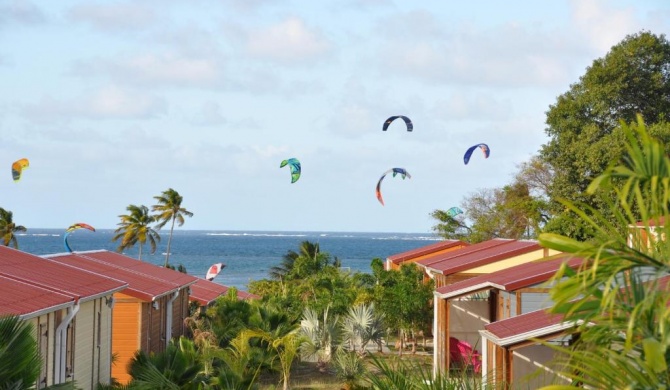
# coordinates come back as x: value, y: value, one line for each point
x: 584, y: 123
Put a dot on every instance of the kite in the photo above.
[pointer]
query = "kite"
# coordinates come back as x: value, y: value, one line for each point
x: 401, y: 171
x: 483, y: 147
x: 214, y: 270
x: 294, y: 165
x: 454, y: 211
x: 408, y: 122
x: 17, y: 168
x: 72, y: 228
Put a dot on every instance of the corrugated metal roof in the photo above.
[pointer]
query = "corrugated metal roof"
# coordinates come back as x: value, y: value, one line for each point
x: 477, y: 255
x: 145, y: 281
x: 510, y: 279
x: 425, y: 250
x: 533, y: 324
x: 27, y: 300
x: 47, y: 274
x: 206, y: 292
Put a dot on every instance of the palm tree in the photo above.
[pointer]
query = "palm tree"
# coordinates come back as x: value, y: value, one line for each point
x: 178, y: 367
x: 169, y: 209
x: 135, y: 227
x: 8, y: 228
x: 19, y: 358
x: 286, y: 346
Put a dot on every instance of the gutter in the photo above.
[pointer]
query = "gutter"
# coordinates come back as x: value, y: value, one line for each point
x: 60, y: 352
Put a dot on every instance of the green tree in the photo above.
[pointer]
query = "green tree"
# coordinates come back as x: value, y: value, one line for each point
x: 136, y: 227
x: 8, y: 228
x: 583, y: 124
x: 619, y: 307
x: 404, y: 299
x: 169, y: 210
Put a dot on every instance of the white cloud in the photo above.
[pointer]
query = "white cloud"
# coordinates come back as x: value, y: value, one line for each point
x: 168, y: 69
x: 20, y: 11
x: 105, y: 103
x: 210, y: 114
x: 112, y: 17
x: 601, y: 24
x: 289, y: 42
x: 463, y: 106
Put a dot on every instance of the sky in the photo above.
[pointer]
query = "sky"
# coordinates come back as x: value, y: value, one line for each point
x: 114, y: 102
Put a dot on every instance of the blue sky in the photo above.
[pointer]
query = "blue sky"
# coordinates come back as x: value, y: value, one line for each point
x: 115, y: 101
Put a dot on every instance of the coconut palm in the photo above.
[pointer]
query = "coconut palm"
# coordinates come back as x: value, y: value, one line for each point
x: 8, y: 228
x: 169, y: 210
x: 135, y: 227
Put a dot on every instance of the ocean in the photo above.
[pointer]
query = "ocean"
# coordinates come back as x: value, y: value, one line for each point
x: 248, y: 255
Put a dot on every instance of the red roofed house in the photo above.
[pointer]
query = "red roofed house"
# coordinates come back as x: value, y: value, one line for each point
x: 515, y: 358
x: 414, y: 255
x: 464, y: 307
x: 481, y: 258
x: 148, y: 313
x: 205, y: 292
x: 70, y: 310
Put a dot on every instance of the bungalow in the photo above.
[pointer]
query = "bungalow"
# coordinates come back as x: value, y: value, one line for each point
x: 463, y: 308
x: 70, y: 310
x: 514, y: 354
x: 395, y: 261
x: 148, y: 313
x: 481, y: 258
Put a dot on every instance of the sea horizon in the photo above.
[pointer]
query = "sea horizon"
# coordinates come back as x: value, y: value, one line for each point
x: 248, y: 254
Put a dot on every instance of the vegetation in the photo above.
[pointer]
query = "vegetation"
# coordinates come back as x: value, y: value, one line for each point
x: 8, y: 228
x: 169, y: 209
x: 618, y: 303
x: 135, y: 228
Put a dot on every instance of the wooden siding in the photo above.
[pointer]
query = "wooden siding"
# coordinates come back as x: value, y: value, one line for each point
x: 105, y: 356
x: 44, y: 332
x: 84, y: 336
x: 126, y: 325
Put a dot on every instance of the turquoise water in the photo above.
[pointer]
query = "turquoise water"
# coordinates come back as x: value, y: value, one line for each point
x: 247, y: 255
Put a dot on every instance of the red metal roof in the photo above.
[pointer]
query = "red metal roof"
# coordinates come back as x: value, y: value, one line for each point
x: 533, y: 324
x: 425, y: 250
x: 477, y: 255
x: 28, y: 300
x: 56, y: 277
x: 145, y: 281
x: 206, y: 292
x: 510, y: 279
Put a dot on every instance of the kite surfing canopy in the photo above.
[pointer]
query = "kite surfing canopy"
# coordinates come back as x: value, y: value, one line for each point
x: 72, y: 228
x: 17, y: 168
x: 396, y: 171
x: 408, y: 122
x: 484, y: 147
x: 214, y: 270
x: 294, y: 166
